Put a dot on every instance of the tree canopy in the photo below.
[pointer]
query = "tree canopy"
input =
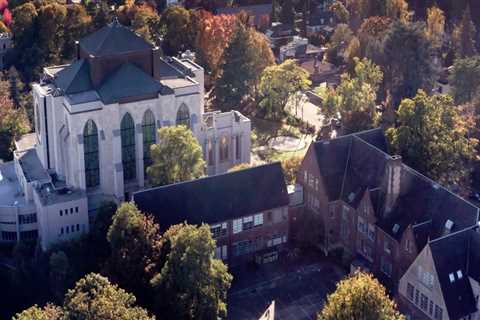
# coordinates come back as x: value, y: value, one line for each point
x: 432, y: 138
x: 464, y: 36
x: 465, y: 79
x: 360, y: 296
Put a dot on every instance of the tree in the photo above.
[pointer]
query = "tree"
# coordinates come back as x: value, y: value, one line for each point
x: 435, y: 26
x: 277, y: 84
x: 360, y: 296
x: 51, y: 20
x: 77, y: 25
x: 287, y: 13
x: 262, y: 55
x: 239, y: 167
x: 397, y: 10
x: 238, y: 72
x: 177, y: 157
x: 95, y: 298
x: 290, y: 168
x: 355, y: 98
x: 146, y: 22
x: 178, y: 30
x: 195, y: 283
x: 135, y: 244
x: 407, y: 61
x: 339, y: 41
x: 49, y: 312
x: 371, y: 35
x: 465, y: 79
x: 59, y: 271
x: 432, y: 138
x: 213, y: 36
x: 341, y: 13
x: 464, y: 36
x: 13, y: 122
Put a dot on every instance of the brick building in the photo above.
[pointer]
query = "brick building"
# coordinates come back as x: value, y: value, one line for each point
x: 247, y: 210
x: 373, y: 208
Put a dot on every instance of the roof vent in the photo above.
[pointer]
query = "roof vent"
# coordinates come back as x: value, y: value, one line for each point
x: 451, y: 277
x: 395, y: 228
x: 448, y: 225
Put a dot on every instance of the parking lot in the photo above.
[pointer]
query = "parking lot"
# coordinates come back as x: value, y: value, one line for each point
x: 299, y: 290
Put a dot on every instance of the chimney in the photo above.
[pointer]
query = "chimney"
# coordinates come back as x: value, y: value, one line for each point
x: 392, y: 181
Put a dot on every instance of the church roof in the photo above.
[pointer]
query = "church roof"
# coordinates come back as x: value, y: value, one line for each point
x: 114, y: 38
x: 217, y: 198
x: 74, y: 78
x: 127, y: 82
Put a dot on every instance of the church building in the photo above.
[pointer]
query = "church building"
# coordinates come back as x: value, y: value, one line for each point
x: 95, y: 120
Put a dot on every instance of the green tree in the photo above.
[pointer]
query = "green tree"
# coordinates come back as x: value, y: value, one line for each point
x: 51, y: 32
x: 465, y: 79
x: 290, y: 168
x: 77, y: 24
x: 435, y: 26
x: 238, y: 71
x: 432, y: 138
x: 195, y: 283
x: 177, y: 157
x: 464, y: 36
x: 360, y: 296
x: 135, y: 250
x: 95, y: 298
x: 339, y: 41
x: 407, y: 61
x: 178, y: 29
x: 49, y: 312
x: 355, y: 98
x: 59, y: 272
x: 277, y: 84
x: 371, y: 35
x: 146, y: 22
x: 340, y: 11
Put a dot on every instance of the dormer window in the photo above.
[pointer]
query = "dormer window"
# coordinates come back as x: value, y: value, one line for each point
x: 459, y: 274
x: 451, y: 276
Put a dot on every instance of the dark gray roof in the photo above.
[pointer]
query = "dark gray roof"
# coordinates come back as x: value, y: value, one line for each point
x: 128, y: 81
x: 166, y: 70
x: 352, y: 164
x: 114, y: 38
x: 74, y: 78
x: 217, y: 198
x: 31, y: 166
x: 450, y: 255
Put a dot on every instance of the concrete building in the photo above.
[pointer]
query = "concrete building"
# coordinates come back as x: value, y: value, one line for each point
x: 95, y: 120
x: 373, y: 208
x: 247, y: 211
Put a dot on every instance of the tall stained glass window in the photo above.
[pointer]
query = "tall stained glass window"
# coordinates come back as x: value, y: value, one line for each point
x: 148, y: 129
x: 90, y: 154
x: 127, y: 129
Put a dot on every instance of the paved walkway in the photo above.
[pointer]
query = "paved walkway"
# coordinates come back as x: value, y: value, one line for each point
x: 310, y: 112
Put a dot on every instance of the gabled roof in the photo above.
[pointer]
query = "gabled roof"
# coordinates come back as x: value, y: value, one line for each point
x: 74, y: 78
x: 216, y: 198
x: 114, y: 38
x: 451, y: 258
x: 127, y: 82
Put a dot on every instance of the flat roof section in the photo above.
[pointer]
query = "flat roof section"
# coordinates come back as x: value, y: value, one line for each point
x: 10, y: 190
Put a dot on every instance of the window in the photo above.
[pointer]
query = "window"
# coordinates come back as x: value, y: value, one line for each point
x: 71, y: 210
x: 316, y: 184
x: 224, y: 252
x: 148, y: 130
x: 183, y: 116
x: 29, y: 235
x: 387, y: 246
x: 423, y: 302
x: 211, y: 153
x: 9, y: 236
x: 417, y: 296
x: 127, y: 129
x: 430, y: 309
x: 371, y: 232
x: 90, y: 154
x: 362, y: 226
x: 305, y: 176
x: 258, y: 219
x: 27, y: 218
x: 68, y: 229
x: 410, y: 291
x: 237, y: 226
x: 247, y: 223
x: 238, y: 147
x: 438, y: 313
x: 459, y: 274
x: 76, y: 209
x: 425, y: 277
x: 243, y: 247
x: 451, y: 277
x: 386, y: 266
x: 311, y: 180
x: 223, y: 149
x: 218, y: 230
x: 345, y: 212
x: 61, y: 213
x: 78, y: 227
x: 61, y: 230
x: 408, y: 246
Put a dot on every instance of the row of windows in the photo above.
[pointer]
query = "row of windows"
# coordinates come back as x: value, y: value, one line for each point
x: 65, y: 211
x: 24, y: 235
x: 68, y: 229
x: 221, y: 252
x: 425, y: 304
x: 386, y: 266
x: 223, y: 150
x: 9, y: 236
x: 311, y: 180
x: 247, y: 223
x: 27, y: 218
x: 218, y: 230
x: 127, y: 133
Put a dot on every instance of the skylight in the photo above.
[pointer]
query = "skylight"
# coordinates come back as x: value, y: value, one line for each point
x: 459, y: 274
x: 452, y: 277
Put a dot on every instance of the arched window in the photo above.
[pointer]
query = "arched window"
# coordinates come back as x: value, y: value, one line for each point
x: 127, y: 129
x: 90, y: 154
x: 148, y: 129
x: 223, y: 149
x: 183, y: 116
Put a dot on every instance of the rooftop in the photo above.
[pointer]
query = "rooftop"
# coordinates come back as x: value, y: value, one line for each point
x: 216, y: 198
x: 31, y: 166
x: 50, y: 193
x: 10, y: 190
x: 27, y: 141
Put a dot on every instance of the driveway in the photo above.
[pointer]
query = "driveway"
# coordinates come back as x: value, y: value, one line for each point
x: 299, y: 289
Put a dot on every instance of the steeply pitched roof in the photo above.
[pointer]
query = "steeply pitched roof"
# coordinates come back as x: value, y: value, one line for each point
x: 74, y: 78
x: 451, y: 257
x: 127, y: 82
x: 216, y: 198
x: 114, y: 38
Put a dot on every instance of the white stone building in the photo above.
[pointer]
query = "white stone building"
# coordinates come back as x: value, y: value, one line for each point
x: 95, y: 120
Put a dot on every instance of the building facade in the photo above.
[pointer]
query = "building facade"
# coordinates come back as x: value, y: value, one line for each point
x: 96, y: 119
x: 247, y: 225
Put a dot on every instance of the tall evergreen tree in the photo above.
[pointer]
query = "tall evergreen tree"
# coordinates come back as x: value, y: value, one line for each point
x: 464, y: 36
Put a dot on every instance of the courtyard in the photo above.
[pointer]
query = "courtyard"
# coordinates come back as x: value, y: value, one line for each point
x: 299, y: 289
